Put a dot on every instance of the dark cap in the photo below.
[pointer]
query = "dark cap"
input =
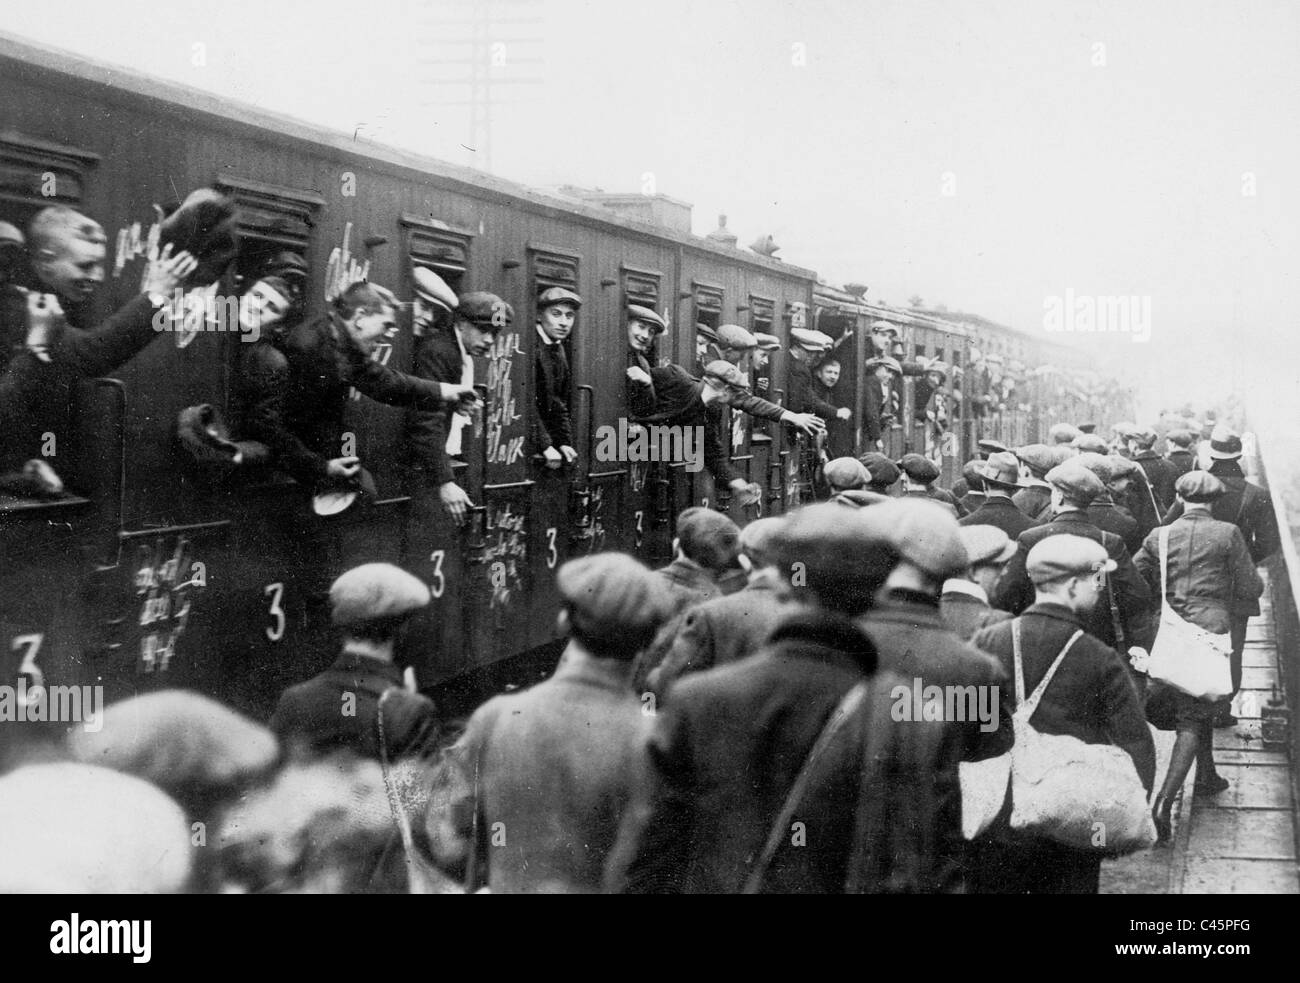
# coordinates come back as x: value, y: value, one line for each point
x: 989, y: 446
x: 376, y: 590
x: 1225, y: 445
x: 860, y: 498
x: 833, y: 559
x: 882, y: 471
x: 1145, y: 436
x: 1098, y: 464
x: 919, y: 468
x: 1038, y: 458
x: 708, y: 537
x: 1122, y: 467
x: 1079, y: 485
x: 485, y: 310
x: 558, y: 295
x: 884, y: 326
x: 613, y: 597
x: 636, y: 312
x: 887, y: 362
x: 970, y: 472
x: 1087, y: 427
x: 922, y: 532
x: 205, y: 225
x: 1002, y: 469
x: 1199, y: 486
x: 845, y: 472
x: 724, y: 372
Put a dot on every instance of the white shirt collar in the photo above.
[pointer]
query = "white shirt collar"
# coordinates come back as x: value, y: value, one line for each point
x: 545, y: 340
x: 958, y: 585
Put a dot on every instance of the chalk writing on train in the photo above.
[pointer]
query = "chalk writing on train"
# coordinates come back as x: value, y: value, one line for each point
x: 165, y: 585
x: 506, y: 552
x: 505, y: 439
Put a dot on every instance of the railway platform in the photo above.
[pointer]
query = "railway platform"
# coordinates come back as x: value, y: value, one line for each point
x: 1242, y: 841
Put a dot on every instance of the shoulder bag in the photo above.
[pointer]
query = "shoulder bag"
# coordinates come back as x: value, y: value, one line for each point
x: 1186, y: 656
x: 1086, y: 796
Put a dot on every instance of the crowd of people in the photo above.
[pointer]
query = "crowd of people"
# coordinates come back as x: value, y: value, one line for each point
x: 800, y: 705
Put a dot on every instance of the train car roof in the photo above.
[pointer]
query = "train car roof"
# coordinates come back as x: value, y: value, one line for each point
x: 123, y: 84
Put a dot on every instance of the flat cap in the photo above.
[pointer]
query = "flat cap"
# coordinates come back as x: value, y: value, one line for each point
x: 432, y: 288
x: 726, y: 373
x: 1090, y: 443
x: 10, y: 235
x: 1122, y: 467
x: 1181, y: 438
x: 635, y: 312
x: 1199, y: 486
x: 558, y: 295
x: 990, y: 446
x: 708, y: 537
x: 376, y: 590
x: 860, y: 498
x: 1224, y: 444
x: 938, y: 366
x: 1079, y: 485
x: 882, y: 471
x: 814, y: 341
x: 1062, y: 433
x: 884, y: 326
x: 287, y: 263
x: 842, y: 560
x: 922, y: 532
x: 970, y: 472
x: 760, y: 539
x: 1001, y: 469
x: 1087, y: 427
x: 1064, y: 556
x: 1124, y: 429
x: 612, y: 595
x: 1145, y: 436
x: 845, y: 472
x: 486, y: 310
x: 734, y: 336
x: 1039, y: 458
x: 987, y: 544
x: 180, y: 741
x: 767, y: 342
x: 919, y: 468
x: 887, y: 362
x: 1098, y: 464
x: 702, y: 330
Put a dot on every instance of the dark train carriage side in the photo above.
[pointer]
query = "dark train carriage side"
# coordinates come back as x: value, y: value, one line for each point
x: 159, y: 576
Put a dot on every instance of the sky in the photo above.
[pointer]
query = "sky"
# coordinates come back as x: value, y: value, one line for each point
x: 1000, y: 157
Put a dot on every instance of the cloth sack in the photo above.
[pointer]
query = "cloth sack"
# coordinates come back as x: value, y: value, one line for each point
x: 1186, y: 656
x: 1085, y: 796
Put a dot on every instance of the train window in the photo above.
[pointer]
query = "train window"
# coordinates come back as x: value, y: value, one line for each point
x: 553, y: 268
x: 920, y: 351
x: 762, y: 314
x: 438, y: 247
x: 272, y: 220
x: 35, y: 174
x: 641, y: 287
x: 708, y: 318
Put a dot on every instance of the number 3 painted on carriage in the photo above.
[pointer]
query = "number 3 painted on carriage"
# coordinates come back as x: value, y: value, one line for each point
x: 436, y: 558
x: 276, y: 593
x: 552, y: 555
x: 28, y: 667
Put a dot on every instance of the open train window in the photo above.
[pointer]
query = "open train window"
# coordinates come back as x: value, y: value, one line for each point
x: 272, y: 221
x: 708, y: 318
x: 436, y: 246
x: 35, y: 174
x: 641, y: 288
x: 762, y: 317
x: 554, y: 268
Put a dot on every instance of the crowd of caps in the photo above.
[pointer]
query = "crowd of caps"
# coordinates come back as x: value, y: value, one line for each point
x: 676, y: 729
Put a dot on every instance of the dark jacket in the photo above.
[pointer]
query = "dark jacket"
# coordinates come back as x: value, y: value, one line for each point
x: 1211, y: 575
x: 1183, y: 460
x: 947, y: 498
x: 1035, y: 501
x: 554, y: 382
x: 804, y: 397
x: 1091, y: 697
x: 721, y: 631
x: 1109, y: 517
x: 544, y: 778
x: 1161, y: 476
x: 1000, y: 512
x: 913, y: 640
x: 314, y: 711
x: 259, y: 393
x: 723, y: 754
x: 839, y: 433
x: 322, y: 368
x: 966, y: 614
x: 641, y: 398
x: 1247, y: 506
x: 437, y: 357
x: 37, y: 397
x: 1015, y: 592
x: 881, y: 407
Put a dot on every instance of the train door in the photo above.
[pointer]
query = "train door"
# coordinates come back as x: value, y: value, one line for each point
x: 647, y: 517
x: 434, y: 548
x: 699, y: 488
x: 568, y: 514
x: 762, y: 317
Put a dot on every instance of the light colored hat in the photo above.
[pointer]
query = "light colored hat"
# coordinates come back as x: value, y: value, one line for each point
x: 845, y: 472
x: 884, y: 327
x: 813, y: 341
x: 1064, y: 555
x: 767, y: 342
x: 987, y: 544
x: 734, y: 336
x: 1078, y: 484
x: 376, y: 590
x: 922, y: 532
x: 612, y: 595
x: 635, y: 312
x: 432, y: 288
x: 1199, y: 486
